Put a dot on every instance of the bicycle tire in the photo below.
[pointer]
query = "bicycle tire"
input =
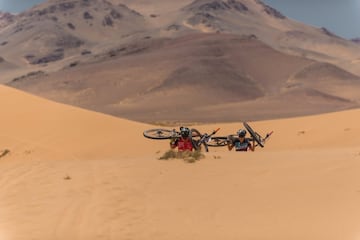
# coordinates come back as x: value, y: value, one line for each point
x: 158, y: 133
x: 217, y: 142
x: 254, y: 134
x: 196, y: 137
x: 195, y: 134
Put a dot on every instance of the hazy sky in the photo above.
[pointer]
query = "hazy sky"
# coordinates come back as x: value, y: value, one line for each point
x: 342, y: 17
x: 17, y: 5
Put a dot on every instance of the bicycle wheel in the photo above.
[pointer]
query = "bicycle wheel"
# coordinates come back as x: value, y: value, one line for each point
x: 254, y: 134
x: 197, y: 139
x: 217, y: 142
x: 158, y: 133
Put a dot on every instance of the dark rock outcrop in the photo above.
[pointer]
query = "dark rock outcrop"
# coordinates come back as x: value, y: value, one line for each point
x: 328, y: 32
x: 115, y: 14
x: 271, y: 11
x: 68, y: 42
x: 30, y: 74
x: 56, y: 55
x: 356, y: 40
x: 71, y: 26
x: 6, y: 19
x: 108, y: 21
x: 173, y: 27
x: 216, y: 5
x: 87, y: 15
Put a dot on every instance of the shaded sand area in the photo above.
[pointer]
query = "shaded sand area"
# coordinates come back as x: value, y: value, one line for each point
x: 76, y: 174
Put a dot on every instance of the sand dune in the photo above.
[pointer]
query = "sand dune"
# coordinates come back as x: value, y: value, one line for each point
x: 31, y: 121
x: 75, y: 174
x: 69, y: 173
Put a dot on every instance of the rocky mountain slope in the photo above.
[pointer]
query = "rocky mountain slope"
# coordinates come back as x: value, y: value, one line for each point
x: 6, y: 19
x: 179, y: 61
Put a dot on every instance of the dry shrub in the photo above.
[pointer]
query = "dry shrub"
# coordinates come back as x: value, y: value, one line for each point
x: 187, y: 156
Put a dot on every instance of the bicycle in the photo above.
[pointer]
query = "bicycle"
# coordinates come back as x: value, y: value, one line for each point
x: 204, y: 139
x: 197, y: 138
x: 221, y: 141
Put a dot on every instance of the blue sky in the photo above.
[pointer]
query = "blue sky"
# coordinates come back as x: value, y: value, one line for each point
x: 16, y: 6
x: 342, y: 17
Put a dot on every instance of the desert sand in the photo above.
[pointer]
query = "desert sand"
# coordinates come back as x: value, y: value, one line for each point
x: 69, y: 173
x: 77, y: 174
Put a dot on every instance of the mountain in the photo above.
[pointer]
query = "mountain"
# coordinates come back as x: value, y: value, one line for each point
x: 60, y: 29
x: 179, y: 61
x: 356, y: 40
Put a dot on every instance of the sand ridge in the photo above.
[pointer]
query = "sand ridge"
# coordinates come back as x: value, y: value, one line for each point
x: 29, y: 120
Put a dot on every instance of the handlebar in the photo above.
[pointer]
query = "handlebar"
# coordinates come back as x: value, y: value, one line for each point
x: 264, y: 139
x: 215, y: 131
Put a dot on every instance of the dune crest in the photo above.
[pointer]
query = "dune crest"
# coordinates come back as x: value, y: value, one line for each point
x: 34, y: 123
